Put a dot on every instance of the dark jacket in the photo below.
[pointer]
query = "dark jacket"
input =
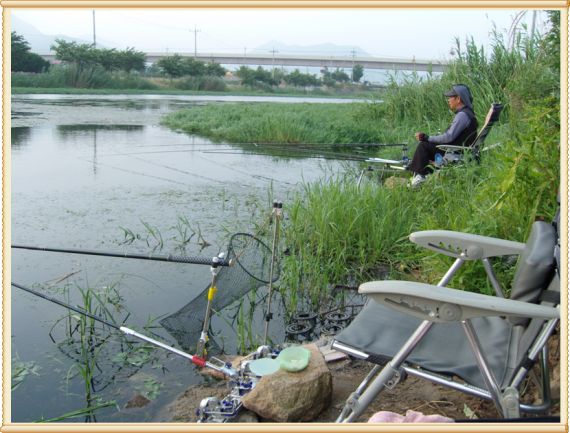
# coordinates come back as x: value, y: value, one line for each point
x: 461, y: 132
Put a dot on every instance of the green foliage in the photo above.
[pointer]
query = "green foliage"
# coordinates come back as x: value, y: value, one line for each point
x: 87, y: 57
x: 55, y: 77
x: 336, y: 231
x: 178, y: 66
x: 214, y: 69
x: 277, y: 123
x: 21, y: 370
x: 89, y: 78
x: 205, y: 83
x: 357, y: 73
x: 299, y: 79
x: 551, y: 42
x: 22, y: 60
x: 255, y: 77
x: 332, y: 78
x: 86, y: 412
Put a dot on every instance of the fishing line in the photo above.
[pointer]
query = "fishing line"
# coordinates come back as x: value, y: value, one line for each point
x: 255, y: 176
x: 90, y: 161
x: 151, y: 152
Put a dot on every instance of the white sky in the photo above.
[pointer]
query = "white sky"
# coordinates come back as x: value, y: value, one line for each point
x: 405, y: 33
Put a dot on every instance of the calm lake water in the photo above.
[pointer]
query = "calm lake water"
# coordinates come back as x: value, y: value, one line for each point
x: 95, y: 172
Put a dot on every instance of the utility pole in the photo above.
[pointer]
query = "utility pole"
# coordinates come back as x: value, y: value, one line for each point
x: 273, y: 51
x: 94, y: 38
x: 195, y: 37
x: 353, y: 52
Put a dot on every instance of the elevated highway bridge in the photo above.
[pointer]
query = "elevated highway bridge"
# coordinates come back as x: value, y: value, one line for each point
x: 319, y: 61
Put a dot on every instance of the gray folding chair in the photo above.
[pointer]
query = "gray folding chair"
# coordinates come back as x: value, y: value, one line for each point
x: 482, y: 345
x: 455, y: 154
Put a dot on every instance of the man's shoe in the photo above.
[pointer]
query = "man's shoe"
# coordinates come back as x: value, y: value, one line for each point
x: 417, y: 180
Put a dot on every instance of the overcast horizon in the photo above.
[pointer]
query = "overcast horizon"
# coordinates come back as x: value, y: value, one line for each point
x: 405, y: 33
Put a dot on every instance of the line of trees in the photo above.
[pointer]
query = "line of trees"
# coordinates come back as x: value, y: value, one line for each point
x: 84, y: 65
x: 261, y: 77
x: 86, y: 55
x: 23, y: 60
x: 178, y: 66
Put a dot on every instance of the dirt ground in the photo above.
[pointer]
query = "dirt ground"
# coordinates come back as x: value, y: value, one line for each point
x: 414, y: 393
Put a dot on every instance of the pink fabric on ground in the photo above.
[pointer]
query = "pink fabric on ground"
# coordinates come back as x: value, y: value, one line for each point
x: 411, y: 416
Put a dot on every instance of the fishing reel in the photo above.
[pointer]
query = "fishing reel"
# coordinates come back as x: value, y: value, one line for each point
x: 214, y: 410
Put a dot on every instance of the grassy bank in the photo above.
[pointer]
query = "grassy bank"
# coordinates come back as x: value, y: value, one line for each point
x: 337, y: 232
x: 341, y: 233
x: 232, y: 90
x: 282, y: 123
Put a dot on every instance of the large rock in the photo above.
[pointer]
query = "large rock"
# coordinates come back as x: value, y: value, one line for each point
x: 288, y: 397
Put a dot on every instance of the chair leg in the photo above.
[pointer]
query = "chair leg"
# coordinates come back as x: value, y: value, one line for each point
x: 486, y: 372
x: 357, y: 403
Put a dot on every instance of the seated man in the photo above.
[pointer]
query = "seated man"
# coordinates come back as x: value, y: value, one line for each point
x: 461, y: 132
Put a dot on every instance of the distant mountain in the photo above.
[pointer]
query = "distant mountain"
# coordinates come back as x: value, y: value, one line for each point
x: 40, y: 43
x: 321, y: 49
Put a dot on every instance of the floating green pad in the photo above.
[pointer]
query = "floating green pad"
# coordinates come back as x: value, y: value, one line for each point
x: 294, y: 358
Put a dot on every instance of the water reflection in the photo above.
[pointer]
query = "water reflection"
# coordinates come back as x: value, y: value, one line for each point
x: 109, y: 171
x: 20, y: 136
x: 65, y: 130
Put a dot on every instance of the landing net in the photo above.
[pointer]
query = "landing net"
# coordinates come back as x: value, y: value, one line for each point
x: 250, y: 270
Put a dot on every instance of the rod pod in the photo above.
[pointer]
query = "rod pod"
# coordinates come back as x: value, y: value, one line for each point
x: 277, y: 215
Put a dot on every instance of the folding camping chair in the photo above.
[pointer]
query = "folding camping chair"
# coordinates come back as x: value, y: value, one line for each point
x: 455, y: 154
x: 452, y: 154
x: 478, y: 344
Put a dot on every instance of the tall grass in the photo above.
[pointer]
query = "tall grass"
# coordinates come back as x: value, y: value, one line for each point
x: 86, y: 78
x: 279, y: 123
x: 336, y: 231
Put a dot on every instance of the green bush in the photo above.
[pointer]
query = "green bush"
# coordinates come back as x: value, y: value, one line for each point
x: 205, y: 83
x: 94, y: 77
x: 54, y: 78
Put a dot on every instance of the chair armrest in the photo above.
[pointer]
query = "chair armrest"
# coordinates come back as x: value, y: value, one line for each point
x: 443, y: 304
x: 466, y: 245
x: 452, y: 148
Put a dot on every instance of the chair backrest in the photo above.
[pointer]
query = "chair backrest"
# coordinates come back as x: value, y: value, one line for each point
x: 536, y: 266
x: 490, y: 119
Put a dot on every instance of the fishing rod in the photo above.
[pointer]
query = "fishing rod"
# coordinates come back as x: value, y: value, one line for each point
x: 268, y: 143
x: 196, y: 360
x: 214, y: 262
x: 292, y: 154
x: 273, y: 143
x: 292, y: 151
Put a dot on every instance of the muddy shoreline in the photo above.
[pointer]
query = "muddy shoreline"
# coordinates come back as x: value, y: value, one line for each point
x: 412, y: 394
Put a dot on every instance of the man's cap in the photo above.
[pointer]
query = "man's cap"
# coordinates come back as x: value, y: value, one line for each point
x: 463, y: 92
x: 450, y: 93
